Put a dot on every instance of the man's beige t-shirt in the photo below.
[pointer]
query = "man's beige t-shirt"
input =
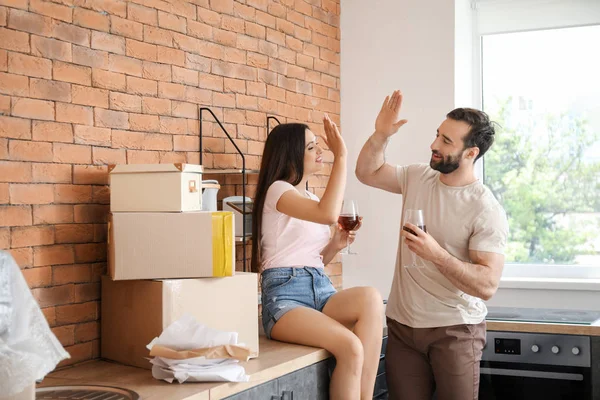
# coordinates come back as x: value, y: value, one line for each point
x: 459, y: 219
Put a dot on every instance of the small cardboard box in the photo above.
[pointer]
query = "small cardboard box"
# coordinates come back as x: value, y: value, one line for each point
x: 135, y: 312
x: 171, y: 245
x: 155, y: 187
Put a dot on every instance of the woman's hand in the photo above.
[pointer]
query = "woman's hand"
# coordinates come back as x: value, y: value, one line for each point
x: 341, y: 238
x: 333, y: 138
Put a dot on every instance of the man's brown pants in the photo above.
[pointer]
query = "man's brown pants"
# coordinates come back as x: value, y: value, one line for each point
x: 445, y: 360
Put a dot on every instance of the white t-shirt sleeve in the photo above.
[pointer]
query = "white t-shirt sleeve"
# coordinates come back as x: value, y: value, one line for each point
x: 409, y: 174
x: 276, y: 190
x: 402, y: 177
x: 491, y: 231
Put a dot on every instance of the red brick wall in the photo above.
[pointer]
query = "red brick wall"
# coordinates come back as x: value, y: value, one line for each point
x: 86, y: 83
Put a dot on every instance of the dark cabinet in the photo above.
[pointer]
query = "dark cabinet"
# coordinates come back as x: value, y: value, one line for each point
x: 381, y: 390
x: 260, y: 392
x: 595, y: 367
x: 309, y: 383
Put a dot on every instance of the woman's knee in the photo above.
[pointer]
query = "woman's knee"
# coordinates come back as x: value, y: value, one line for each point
x: 349, y: 349
x: 372, y: 301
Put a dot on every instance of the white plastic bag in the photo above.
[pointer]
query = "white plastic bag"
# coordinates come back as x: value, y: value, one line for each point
x: 187, y: 333
x: 28, y: 348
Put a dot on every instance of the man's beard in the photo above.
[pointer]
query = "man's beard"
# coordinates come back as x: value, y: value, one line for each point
x: 445, y: 165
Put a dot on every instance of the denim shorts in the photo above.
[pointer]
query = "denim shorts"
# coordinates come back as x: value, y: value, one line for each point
x: 284, y: 289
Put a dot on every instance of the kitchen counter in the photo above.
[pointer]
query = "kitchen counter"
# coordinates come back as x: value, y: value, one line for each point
x: 276, y: 359
x: 538, y: 327
x: 544, y: 320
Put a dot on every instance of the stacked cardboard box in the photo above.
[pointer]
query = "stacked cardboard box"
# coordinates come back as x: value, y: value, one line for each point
x: 167, y: 258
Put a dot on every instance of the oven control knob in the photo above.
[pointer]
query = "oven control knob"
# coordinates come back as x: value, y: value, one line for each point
x: 575, y: 350
x: 555, y: 349
x: 535, y: 348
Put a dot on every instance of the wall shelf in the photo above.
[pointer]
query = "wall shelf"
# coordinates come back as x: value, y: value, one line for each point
x: 243, y: 171
x: 244, y: 239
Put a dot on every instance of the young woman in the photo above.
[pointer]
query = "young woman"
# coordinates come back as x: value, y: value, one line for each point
x: 291, y: 244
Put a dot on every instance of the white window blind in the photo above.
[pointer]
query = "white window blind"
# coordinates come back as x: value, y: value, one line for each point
x: 497, y: 16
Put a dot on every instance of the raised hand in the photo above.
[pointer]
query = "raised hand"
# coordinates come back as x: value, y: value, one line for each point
x: 333, y: 139
x: 387, y: 122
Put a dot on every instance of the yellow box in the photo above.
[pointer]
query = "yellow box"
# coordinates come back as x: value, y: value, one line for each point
x: 171, y: 245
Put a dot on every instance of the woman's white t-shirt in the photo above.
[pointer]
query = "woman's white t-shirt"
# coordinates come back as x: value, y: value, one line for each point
x: 288, y: 241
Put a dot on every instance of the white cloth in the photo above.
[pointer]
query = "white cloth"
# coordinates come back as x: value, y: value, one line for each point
x: 186, y: 334
x: 228, y: 371
x: 287, y: 241
x: 28, y: 348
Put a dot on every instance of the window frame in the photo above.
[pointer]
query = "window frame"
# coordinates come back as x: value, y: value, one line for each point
x: 494, y: 17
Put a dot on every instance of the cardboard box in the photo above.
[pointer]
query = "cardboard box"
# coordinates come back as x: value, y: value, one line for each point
x: 171, y: 245
x: 155, y: 187
x: 135, y: 312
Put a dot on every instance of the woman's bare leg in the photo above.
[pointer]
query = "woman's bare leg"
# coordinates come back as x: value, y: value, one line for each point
x: 313, y: 328
x: 361, y: 308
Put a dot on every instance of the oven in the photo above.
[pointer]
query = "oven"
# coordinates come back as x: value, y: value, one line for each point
x: 535, y: 366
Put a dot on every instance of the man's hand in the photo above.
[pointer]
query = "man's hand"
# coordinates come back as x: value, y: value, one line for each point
x: 387, y: 121
x: 479, y: 278
x: 422, y: 243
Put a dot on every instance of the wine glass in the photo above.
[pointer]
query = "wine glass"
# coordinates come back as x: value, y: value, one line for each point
x: 414, y: 217
x: 349, y: 219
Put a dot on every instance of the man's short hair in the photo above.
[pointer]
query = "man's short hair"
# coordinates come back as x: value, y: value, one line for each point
x: 481, y: 134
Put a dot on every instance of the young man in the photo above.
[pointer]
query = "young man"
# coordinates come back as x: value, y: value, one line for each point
x: 435, y: 313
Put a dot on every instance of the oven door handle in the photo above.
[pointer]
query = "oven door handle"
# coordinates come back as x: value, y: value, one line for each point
x: 563, y: 376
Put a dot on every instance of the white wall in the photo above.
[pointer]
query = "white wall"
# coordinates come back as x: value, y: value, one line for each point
x: 388, y: 45
x: 410, y: 45
x: 466, y: 91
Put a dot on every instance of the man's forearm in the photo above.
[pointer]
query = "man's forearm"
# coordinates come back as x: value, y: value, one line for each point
x: 372, y: 155
x: 473, y: 279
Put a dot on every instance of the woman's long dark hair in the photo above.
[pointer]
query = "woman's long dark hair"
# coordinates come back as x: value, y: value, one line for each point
x: 282, y: 160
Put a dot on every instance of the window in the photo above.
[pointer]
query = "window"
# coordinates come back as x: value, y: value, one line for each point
x: 540, y: 80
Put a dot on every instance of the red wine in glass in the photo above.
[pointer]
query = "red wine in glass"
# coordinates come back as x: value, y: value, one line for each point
x: 416, y: 218
x: 348, y: 222
x: 421, y: 227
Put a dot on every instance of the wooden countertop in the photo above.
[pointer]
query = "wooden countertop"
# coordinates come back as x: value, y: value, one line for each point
x: 538, y: 327
x: 276, y: 359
